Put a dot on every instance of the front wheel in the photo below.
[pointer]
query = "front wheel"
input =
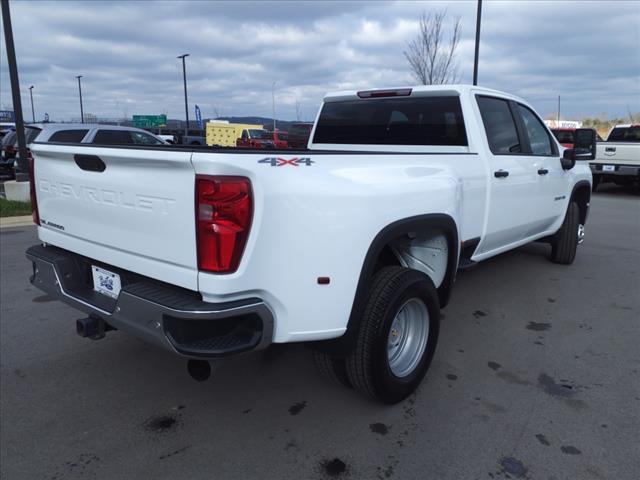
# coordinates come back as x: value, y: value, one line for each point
x: 565, y: 242
x: 397, y: 335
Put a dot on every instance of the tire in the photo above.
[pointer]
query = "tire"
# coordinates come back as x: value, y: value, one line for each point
x: 596, y: 182
x: 394, y: 291
x: 565, y: 243
x: 332, y: 368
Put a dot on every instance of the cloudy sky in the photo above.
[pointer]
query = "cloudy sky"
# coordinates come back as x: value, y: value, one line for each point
x: 585, y: 51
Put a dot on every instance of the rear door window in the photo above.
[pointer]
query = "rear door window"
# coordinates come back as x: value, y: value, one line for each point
x: 112, y: 137
x: 68, y: 136
x: 499, y: 125
x: 393, y: 121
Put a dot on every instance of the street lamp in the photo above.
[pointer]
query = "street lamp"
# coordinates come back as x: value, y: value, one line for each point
x: 184, y: 78
x: 273, y: 102
x: 80, y: 91
x: 33, y: 112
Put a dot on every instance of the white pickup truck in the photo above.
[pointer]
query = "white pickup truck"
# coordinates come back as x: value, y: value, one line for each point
x: 618, y: 158
x: 351, y: 245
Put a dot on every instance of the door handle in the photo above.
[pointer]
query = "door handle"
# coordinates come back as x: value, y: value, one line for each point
x: 501, y: 174
x: 543, y: 171
x: 90, y: 163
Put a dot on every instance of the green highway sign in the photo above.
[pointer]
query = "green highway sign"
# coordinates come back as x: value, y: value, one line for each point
x: 146, y: 121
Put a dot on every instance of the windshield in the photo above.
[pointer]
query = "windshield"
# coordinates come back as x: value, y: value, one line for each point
x: 625, y: 134
x: 9, y: 138
x: 260, y: 134
x: 30, y: 134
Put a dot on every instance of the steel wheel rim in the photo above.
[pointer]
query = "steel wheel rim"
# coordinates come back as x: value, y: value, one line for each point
x: 581, y: 233
x: 407, y: 339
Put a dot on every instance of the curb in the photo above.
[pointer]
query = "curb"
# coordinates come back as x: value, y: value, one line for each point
x: 23, y: 221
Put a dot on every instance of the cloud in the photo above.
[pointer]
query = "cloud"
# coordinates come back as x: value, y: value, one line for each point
x: 126, y: 52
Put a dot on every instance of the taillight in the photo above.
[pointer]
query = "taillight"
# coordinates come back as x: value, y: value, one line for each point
x: 32, y: 189
x: 224, y: 207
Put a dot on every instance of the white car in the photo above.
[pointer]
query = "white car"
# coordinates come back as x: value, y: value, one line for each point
x: 95, y: 134
x: 352, y: 245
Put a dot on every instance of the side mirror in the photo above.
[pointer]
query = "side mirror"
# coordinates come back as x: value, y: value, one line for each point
x: 585, y: 144
x: 568, y: 160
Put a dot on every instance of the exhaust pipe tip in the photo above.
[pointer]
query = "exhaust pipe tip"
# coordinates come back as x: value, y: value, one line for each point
x: 200, y: 370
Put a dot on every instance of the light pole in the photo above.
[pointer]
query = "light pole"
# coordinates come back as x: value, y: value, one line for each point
x: 273, y: 102
x: 184, y: 78
x: 80, y: 91
x: 477, y: 54
x: 22, y: 174
x: 558, y: 125
x: 33, y: 112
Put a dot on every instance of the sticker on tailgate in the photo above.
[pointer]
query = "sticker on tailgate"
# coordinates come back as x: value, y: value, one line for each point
x: 293, y: 162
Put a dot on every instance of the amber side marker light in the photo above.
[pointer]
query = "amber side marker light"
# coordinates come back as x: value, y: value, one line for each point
x: 324, y: 280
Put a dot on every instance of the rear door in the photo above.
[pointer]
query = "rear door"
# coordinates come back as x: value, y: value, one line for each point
x: 128, y: 207
x: 513, y: 180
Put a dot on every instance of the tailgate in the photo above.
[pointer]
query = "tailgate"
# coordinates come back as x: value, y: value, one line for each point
x: 627, y: 153
x: 132, y: 208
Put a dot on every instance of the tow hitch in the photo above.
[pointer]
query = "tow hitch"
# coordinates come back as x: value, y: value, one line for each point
x: 92, y: 327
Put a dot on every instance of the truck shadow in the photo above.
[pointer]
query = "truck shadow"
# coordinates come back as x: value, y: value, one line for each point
x: 616, y: 191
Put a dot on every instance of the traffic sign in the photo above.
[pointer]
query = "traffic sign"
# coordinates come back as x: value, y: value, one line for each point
x: 146, y: 121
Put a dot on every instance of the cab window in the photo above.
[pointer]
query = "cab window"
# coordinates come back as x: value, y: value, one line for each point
x: 499, y: 125
x: 112, y: 137
x: 539, y: 138
x: 68, y: 136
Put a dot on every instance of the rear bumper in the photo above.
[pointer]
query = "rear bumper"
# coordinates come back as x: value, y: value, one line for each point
x: 170, y: 317
x: 619, y: 170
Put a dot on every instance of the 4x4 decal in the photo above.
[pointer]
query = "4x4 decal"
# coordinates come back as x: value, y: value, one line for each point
x: 280, y: 162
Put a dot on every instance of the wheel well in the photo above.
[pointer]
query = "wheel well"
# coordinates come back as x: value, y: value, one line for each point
x: 582, y: 196
x: 381, y: 254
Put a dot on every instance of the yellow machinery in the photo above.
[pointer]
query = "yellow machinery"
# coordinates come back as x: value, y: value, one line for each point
x: 224, y: 134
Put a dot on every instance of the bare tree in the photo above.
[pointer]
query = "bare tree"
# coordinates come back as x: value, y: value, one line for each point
x: 430, y: 56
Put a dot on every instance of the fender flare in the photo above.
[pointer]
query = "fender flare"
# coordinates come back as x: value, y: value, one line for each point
x: 342, y: 345
x: 584, y: 209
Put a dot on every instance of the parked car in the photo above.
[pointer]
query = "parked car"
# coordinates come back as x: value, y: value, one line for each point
x: 193, y: 137
x: 96, y: 134
x: 167, y: 138
x: 299, y: 135
x: 566, y: 136
x: 10, y: 152
x: 4, y: 132
x: 255, y: 138
x: 618, y: 159
x: 352, y: 246
x: 280, y: 139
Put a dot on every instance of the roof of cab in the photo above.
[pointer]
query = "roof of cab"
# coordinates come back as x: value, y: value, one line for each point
x: 422, y: 90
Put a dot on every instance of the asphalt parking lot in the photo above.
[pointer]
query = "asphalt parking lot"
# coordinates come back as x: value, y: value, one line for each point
x: 537, y: 375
